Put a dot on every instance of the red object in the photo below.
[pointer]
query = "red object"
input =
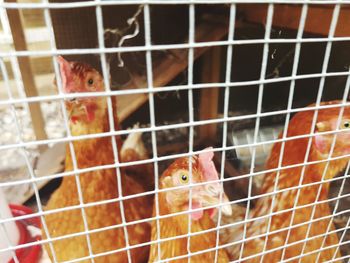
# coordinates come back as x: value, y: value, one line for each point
x: 28, y: 254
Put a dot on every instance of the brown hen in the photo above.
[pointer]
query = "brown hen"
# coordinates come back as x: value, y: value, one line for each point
x: 177, y: 200
x: 89, y: 116
x: 294, y: 153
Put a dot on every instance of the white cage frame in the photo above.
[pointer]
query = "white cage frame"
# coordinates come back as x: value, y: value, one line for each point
x: 190, y: 86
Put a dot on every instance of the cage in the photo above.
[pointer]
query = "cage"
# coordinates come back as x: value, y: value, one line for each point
x: 174, y: 131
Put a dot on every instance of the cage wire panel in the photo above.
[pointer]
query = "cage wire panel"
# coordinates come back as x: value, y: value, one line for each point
x: 277, y: 95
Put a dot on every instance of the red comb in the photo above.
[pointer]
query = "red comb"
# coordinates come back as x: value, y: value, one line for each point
x: 65, y: 69
x: 207, y: 165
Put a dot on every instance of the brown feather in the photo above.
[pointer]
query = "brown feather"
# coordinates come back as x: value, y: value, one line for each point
x: 294, y: 153
x: 96, y: 186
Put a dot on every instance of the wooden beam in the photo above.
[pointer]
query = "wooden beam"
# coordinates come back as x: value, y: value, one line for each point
x: 209, y: 98
x: 169, y: 67
x: 288, y: 16
x: 27, y: 74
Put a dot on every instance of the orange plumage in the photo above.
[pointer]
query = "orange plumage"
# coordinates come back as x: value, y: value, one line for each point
x: 177, y: 200
x: 88, y: 116
x: 294, y: 153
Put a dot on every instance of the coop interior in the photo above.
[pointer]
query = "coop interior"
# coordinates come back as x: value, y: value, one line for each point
x: 227, y: 75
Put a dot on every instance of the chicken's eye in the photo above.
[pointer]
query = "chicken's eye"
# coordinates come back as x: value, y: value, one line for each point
x: 184, y: 178
x: 346, y: 124
x: 90, y: 81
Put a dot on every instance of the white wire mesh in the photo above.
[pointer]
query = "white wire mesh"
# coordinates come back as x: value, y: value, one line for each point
x: 191, y: 86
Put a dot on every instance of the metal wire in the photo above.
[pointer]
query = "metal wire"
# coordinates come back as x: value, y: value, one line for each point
x: 226, y: 107
x: 346, y: 94
x: 81, y: 51
x: 173, y: 88
x: 341, y: 238
x: 18, y: 130
x: 290, y: 102
x: 174, y: 156
x: 257, y: 121
x: 75, y: 164
x: 160, y: 2
x: 150, y: 90
x: 8, y: 243
x: 105, y: 71
x: 332, y: 28
x: 191, y: 39
x: 205, y: 231
x: 147, y: 21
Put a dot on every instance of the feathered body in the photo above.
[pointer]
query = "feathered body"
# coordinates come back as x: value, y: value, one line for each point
x: 294, y: 153
x: 89, y: 116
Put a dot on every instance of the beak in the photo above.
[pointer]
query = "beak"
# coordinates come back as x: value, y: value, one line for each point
x: 212, y: 192
x: 321, y: 126
x: 209, y: 195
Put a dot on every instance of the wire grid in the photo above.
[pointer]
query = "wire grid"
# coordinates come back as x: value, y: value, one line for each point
x: 152, y: 118
x: 226, y: 106
x: 190, y: 86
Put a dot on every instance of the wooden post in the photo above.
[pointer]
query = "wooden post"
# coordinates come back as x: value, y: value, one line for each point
x: 27, y: 74
x: 209, y: 97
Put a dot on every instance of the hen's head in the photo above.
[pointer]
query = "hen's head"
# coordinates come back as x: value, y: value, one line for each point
x: 328, y: 120
x: 203, y: 170
x: 80, y: 77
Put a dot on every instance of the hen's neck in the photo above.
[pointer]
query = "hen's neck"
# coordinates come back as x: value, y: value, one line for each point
x: 294, y: 154
x: 98, y: 184
x: 90, y: 152
x: 293, y: 177
x: 98, y: 125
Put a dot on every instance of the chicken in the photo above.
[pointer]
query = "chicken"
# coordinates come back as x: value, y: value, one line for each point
x: 177, y: 200
x: 133, y: 150
x: 294, y: 153
x: 89, y: 116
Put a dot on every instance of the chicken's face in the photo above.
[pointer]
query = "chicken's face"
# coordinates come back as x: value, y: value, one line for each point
x: 79, y: 77
x: 203, y: 170
x: 323, y: 142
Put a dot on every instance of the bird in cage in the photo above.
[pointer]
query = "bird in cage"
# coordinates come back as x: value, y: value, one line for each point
x: 302, y: 223
x: 177, y: 200
x: 88, y: 116
x: 133, y: 149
